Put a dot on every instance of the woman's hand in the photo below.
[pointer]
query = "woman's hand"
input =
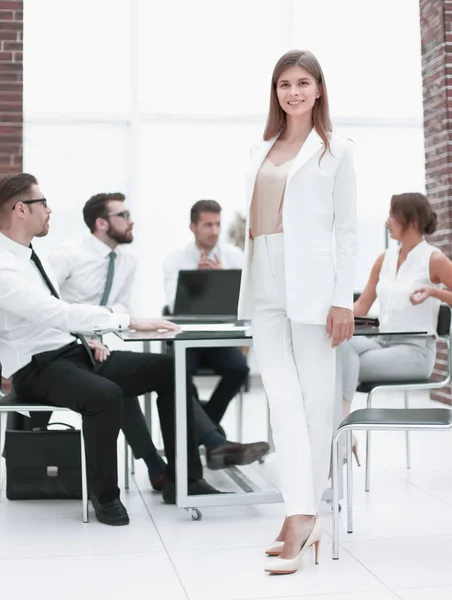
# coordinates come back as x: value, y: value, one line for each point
x: 101, y: 352
x: 340, y: 325
x: 420, y: 295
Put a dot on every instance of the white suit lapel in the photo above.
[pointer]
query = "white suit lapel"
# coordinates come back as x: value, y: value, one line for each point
x: 313, y: 144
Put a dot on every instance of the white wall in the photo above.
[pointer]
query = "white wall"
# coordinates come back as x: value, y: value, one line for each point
x: 162, y: 100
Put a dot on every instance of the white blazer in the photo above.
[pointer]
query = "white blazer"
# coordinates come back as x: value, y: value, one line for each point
x: 318, y: 199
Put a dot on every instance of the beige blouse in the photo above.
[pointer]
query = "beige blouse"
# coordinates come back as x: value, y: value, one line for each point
x: 268, y: 196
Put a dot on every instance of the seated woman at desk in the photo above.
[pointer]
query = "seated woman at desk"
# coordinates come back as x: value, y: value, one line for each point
x: 408, y: 281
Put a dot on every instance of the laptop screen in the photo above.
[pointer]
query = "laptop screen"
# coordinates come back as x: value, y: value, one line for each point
x: 213, y: 292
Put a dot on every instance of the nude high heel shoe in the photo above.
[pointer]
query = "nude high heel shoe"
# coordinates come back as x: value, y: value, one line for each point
x: 286, y: 566
x: 354, y: 451
x: 274, y: 549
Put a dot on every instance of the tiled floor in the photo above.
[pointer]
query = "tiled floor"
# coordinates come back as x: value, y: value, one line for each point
x: 401, y: 548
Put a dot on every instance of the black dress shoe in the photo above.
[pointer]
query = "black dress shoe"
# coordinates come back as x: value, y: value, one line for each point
x: 157, y: 481
x: 230, y: 454
x: 194, y: 489
x: 110, y: 513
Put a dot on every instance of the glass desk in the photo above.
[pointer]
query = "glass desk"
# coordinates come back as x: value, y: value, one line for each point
x: 218, y: 336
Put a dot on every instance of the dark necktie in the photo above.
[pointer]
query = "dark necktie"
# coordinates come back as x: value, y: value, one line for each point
x: 38, y: 263
x: 109, y: 279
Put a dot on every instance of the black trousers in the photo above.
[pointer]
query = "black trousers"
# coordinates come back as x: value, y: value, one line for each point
x: 230, y: 363
x: 66, y: 378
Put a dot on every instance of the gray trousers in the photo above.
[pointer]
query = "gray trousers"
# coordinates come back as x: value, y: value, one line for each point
x: 391, y: 358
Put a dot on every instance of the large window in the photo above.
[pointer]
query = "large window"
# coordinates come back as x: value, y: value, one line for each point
x: 162, y: 100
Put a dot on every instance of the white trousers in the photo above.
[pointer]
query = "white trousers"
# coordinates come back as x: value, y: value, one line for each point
x: 297, y: 365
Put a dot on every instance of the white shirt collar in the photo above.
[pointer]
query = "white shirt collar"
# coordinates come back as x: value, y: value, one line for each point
x: 17, y: 249
x: 101, y: 247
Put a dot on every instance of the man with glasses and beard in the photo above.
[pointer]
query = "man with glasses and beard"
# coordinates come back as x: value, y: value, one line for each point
x: 100, y: 269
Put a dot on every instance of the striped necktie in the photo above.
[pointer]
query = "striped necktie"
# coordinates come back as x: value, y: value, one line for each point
x: 109, y: 279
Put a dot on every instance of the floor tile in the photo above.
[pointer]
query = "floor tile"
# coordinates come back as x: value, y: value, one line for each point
x: 432, y: 517
x: 432, y: 593
x: 241, y: 573
x: 377, y: 595
x: 44, y: 537
x: 114, y: 577
x: 406, y: 563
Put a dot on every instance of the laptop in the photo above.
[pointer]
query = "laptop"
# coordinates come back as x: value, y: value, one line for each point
x: 207, y: 296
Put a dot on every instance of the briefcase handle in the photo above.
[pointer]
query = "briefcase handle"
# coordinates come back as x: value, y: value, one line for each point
x: 56, y: 423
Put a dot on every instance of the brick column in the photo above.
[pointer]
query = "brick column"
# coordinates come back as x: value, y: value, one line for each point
x: 11, y: 78
x: 436, y: 42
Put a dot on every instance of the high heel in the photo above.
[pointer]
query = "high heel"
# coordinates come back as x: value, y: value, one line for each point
x: 355, y: 451
x: 344, y: 458
x: 274, y: 549
x: 286, y: 566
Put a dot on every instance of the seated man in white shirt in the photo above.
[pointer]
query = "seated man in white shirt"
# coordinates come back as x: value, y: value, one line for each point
x: 206, y: 252
x: 50, y: 362
x: 100, y: 269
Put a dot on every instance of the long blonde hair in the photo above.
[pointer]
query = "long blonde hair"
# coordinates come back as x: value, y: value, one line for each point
x: 276, y: 119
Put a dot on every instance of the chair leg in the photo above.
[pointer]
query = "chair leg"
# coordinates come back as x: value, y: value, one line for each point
x: 148, y: 410
x: 1, y: 450
x: 367, y: 486
x: 335, y: 485
x: 132, y: 463
x: 407, y: 434
x: 349, y: 442
x: 240, y: 416
x: 367, y: 483
x: 126, y: 465
x: 84, y: 478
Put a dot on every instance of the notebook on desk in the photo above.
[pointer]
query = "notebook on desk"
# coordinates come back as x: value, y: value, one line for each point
x: 207, y: 296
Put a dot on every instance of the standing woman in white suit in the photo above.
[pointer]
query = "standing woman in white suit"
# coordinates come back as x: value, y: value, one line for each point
x: 301, y: 195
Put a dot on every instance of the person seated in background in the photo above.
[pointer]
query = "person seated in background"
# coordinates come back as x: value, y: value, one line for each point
x: 42, y: 348
x: 99, y: 268
x: 408, y: 281
x: 207, y: 252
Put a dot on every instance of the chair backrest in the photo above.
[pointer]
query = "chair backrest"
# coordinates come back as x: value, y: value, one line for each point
x: 444, y: 318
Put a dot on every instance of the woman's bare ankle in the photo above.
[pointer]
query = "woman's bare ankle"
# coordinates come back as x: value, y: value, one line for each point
x: 282, y: 534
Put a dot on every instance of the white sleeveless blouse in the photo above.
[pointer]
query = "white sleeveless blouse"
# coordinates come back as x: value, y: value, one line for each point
x: 395, y: 288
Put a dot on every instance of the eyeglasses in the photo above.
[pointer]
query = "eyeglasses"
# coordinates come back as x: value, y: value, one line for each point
x: 43, y: 200
x: 124, y: 214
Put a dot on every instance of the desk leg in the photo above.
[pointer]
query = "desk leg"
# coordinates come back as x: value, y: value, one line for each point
x: 147, y: 397
x: 181, y: 424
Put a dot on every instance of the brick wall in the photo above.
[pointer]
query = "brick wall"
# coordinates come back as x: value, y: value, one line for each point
x: 436, y: 42
x: 11, y: 77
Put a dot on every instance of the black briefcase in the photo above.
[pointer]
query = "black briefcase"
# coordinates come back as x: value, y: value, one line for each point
x: 43, y: 464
